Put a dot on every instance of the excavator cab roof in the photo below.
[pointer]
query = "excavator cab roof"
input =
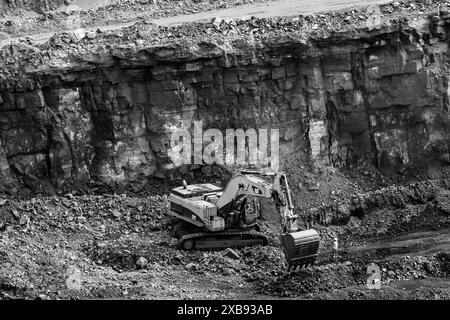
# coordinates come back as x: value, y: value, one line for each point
x: 196, y: 190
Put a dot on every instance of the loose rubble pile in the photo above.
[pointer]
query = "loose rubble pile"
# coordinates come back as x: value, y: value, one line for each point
x: 71, y: 212
x: 331, y: 277
x: 340, y: 211
x: 116, y: 12
x: 195, y: 67
x: 117, y: 245
x: 322, y: 25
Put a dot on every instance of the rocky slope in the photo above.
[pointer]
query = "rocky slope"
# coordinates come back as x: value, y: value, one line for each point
x: 50, y: 16
x: 39, y: 6
x: 102, y: 107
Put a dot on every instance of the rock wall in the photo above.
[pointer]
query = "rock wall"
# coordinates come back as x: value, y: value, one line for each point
x: 377, y: 97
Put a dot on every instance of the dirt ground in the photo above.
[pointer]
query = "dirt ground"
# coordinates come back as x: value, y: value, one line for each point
x: 120, y: 246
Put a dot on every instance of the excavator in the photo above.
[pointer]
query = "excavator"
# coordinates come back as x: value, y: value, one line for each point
x: 211, y: 217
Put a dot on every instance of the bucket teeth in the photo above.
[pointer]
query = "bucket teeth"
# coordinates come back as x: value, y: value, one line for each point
x: 298, y: 266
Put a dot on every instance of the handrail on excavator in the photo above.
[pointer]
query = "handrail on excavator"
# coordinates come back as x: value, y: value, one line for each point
x: 260, y: 172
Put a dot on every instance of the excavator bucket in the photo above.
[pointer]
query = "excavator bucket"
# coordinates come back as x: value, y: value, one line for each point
x: 301, y: 247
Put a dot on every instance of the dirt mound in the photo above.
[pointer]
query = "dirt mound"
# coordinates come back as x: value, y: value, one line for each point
x: 332, y: 277
x: 70, y: 211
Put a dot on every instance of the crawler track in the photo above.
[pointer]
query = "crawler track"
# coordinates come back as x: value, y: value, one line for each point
x: 206, y: 240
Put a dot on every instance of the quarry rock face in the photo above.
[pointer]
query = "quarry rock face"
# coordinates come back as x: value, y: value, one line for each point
x: 378, y: 97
